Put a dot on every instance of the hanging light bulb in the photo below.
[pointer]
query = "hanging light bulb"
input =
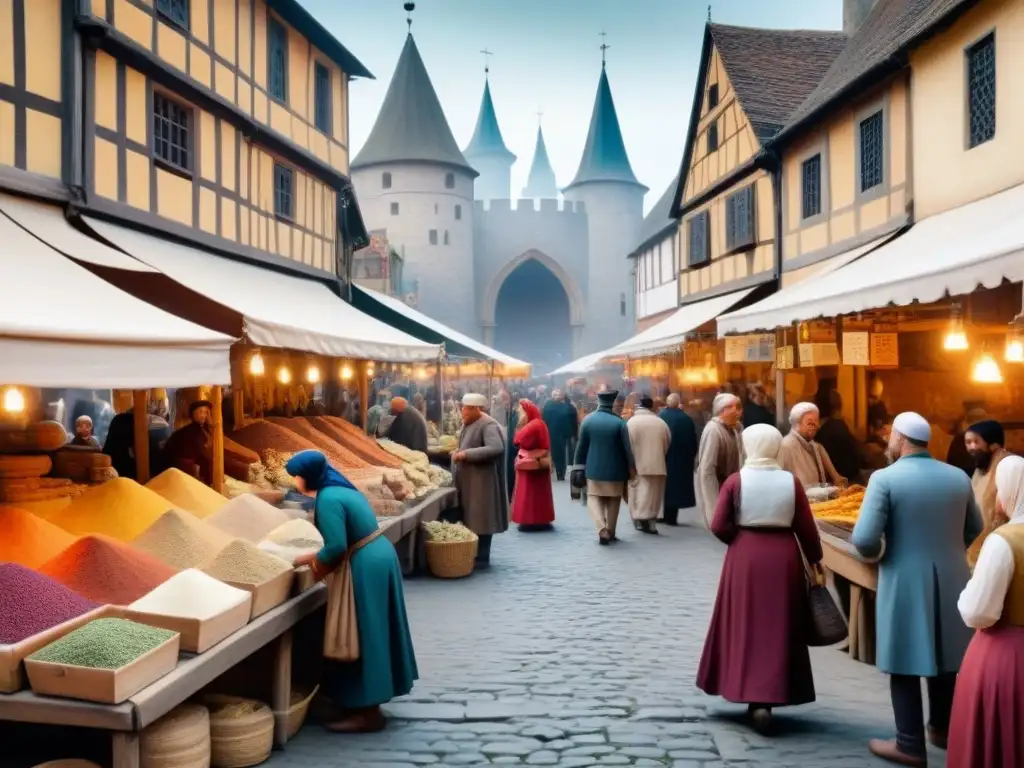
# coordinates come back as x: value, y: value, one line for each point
x: 14, y: 400
x: 313, y: 374
x: 346, y: 373
x: 1014, y: 351
x: 284, y: 375
x: 421, y: 373
x: 256, y: 367
x: 986, y: 371
x: 956, y: 337
x: 369, y: 370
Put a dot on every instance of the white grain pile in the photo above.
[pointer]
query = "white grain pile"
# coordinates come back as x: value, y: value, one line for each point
x: 247, y: 517
x: 242, y: 563
x: 294, y: 538
x: 181, y: 540
x: 191, y: 594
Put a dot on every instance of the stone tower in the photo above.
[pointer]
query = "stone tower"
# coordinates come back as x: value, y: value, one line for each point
x: 413, y: 181
x: 541, y: 182
x: 488, y: 154
x: 613, y: 200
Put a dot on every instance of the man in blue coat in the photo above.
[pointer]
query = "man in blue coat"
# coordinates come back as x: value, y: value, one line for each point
x: 681, y: 460
x: 925, y: 513
x: 604, y: 451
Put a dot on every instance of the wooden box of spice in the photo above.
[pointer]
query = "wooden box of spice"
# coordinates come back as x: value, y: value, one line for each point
x: 269, y: 594
x: 107, y: 661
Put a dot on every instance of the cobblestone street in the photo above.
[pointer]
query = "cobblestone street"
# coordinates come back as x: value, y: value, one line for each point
x: 570, y: 654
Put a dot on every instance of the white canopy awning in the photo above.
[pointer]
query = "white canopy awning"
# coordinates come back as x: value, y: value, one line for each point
x: 279, y: 310
x: 673, y: 330
x: 952, y: 253
x: 509, y: 366
x: 62, y: 326
x: 581, y: 365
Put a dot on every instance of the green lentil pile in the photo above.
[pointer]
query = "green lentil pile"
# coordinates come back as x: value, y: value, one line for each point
x: 104, y: 644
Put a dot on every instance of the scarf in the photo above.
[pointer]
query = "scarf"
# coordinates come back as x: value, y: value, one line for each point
x: 313, y: 467
x: 533, y: 435
x: 761, y: 444
x: 1010, y: 486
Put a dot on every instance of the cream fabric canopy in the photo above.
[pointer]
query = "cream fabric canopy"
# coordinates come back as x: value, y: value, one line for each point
x: 62, y: 326
x: 279, y: 310
x: 580, y: 366
x: 952, y: 253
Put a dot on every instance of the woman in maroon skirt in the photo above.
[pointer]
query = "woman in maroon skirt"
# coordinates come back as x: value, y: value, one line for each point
x: 986, y: 729
x: 756, y: 648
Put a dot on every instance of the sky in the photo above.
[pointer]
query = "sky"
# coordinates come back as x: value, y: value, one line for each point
x: 547, y: 58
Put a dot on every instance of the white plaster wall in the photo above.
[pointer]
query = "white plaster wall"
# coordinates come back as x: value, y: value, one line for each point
x: 495, y: 179
x: 444, y: 273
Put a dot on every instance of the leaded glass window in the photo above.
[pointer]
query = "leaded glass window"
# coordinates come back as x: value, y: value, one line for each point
x: 277, y: 37
x: 872, y: 144
x: 284, y: 191
x: 981, y: 90
x: 698, y: 230
x: 739, y: 219
x: 322, y: 79
x: 172, y: 123
x: 811, y: 172
x: 175, y: 11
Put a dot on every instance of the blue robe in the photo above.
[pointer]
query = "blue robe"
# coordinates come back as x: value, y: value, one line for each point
x: 927, y: 512
x: 386, y: 667
x: 681, y: 460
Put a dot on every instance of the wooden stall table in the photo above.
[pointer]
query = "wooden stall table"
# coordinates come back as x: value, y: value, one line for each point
x: 404, y: 530
x: 194, y: 672
x: 841, y: 557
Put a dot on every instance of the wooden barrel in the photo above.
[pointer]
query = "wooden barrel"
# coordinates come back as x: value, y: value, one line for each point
x: 179, y: 739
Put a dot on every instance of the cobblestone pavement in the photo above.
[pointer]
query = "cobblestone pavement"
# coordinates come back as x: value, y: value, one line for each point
x: 565, y: 653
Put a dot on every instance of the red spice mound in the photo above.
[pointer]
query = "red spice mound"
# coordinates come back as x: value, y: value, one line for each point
x: 31, y: 603
x: 261, y: 436
x: 107, y: 571
x: 352, y: 437
x: 340, y: 456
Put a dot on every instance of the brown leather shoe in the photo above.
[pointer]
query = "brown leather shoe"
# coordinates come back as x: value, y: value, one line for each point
x: 887, y: 749
x: 937, y: 738
x: 370, y: 720
x: 604, y: 537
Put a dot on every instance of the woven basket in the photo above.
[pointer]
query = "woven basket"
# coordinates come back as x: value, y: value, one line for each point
x: 451, y: 559
x: 179, y: 739
x: 239, y: 740
x: 298, y: 710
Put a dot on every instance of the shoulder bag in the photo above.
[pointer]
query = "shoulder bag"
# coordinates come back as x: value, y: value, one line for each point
x: 341, y: 628
x: 827, y: 625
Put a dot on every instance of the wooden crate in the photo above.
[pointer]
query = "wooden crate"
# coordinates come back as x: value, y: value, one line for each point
x: 104, y: 686
x: 269, y: 594
x: 198, y: 635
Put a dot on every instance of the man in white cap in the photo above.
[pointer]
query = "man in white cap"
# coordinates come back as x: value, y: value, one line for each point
x: 479, y: 467
x: 925, y: 512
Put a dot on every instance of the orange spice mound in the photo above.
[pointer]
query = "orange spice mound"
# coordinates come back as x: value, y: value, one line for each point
x: 360, y: 444
x: 261, y: 436
x: 239, y: 452
x: 340, y: 456
x: 107, y: 571
x: 29, y: 540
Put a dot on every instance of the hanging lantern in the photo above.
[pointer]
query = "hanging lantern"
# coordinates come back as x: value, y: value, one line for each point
x: 346, y: 373
x: 986, y: 371
x: 1015, y: 340
x: 369, y: 370
x: 284, y: 375
x: 256, y: 367
x: 956, y: 336
x: 14, y: 400
x: 313, y: 374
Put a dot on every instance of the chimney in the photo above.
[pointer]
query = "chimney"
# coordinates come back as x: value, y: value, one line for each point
x: 855, y: 13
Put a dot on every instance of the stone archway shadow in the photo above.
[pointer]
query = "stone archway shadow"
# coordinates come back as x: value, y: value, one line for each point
x: 569, y: 285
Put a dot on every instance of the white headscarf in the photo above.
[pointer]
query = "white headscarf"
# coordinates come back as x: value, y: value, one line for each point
x: 761, y: 444
x: 1010, y: 486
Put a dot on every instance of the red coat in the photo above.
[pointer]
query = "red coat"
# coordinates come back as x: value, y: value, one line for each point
x: 533, y: 503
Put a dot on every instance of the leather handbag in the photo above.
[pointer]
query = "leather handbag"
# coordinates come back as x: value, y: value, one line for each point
x: 341, y: 627
x: 827, y: 625
x: 578, y: 478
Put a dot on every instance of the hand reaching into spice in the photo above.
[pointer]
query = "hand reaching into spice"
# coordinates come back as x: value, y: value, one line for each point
x: 305, y: 559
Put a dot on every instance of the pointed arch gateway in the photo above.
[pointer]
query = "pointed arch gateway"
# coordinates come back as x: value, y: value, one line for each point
x: 533, y: 309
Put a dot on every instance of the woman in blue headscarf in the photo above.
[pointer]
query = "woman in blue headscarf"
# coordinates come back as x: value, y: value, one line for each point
x: 386, y: 667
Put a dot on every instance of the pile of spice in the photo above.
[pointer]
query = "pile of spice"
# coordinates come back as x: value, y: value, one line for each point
x: 121, y: 509
x: 362, y: 444
x: 28, y: 540
x: 45, y: 510
x: 261, y: 436
x: 181, y: 540
x: 294, y: 538
x: 187, y: 493
x: 242, y: 563
x: 106, y: 570
x: 191, y: 594
x: 104, y: 644
x: 337, y: 454
x: 31, y: 603
x: 247, y: 517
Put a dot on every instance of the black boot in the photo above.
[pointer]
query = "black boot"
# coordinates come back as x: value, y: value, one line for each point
x: 483, y: 552
x: 670, y: 516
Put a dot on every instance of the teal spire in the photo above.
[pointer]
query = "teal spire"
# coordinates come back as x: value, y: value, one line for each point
x: 604, y: 156
x: 541, y: 182
x: 487, y: 139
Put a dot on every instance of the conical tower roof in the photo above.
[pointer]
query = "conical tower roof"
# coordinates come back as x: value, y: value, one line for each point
x: 411, y: 126
x: 541, y: 182
x: 487, y: 138
x: 604, y: 156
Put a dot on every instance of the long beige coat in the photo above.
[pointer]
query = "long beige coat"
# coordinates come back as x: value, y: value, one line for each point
x: 480, y: 477
x: 649, y: 437
x: 720, y: 455
x: 796, y: 457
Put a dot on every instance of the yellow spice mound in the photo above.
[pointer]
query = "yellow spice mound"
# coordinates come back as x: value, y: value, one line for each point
x: 181, y: 540
x: 45, y: 509
x: 187, y: 493
x: 121, y: 509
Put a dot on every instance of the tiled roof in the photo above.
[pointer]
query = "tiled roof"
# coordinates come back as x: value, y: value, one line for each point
x: 773, y: 70
x: 891, y: 28
x: 411, y: 126
x: 487, y: 139
x: 660, y: 217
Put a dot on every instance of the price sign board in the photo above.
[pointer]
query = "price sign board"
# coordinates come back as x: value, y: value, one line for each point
x: 885, y: 350
x: 856, y: 348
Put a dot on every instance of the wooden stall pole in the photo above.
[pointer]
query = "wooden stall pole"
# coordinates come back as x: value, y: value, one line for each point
x: 217, y: 398
x: 490, y: 386
x: 140, y: 421
x: 362, y: 371
x: 282, y: 686
x: 238, y: 386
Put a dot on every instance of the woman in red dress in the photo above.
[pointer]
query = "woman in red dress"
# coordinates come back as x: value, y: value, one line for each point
x: 986, y: 729
x: 533, y: 507
x: 756, y: 648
